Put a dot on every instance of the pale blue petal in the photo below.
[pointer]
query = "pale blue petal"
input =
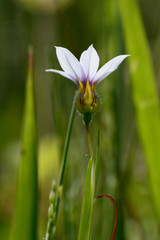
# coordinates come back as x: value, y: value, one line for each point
x: 90, y: 62
x: 63, y: 74
x: 69, y: 63
x: 108, y: 68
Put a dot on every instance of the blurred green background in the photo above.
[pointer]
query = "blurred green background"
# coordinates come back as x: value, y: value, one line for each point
x: 123, y: 174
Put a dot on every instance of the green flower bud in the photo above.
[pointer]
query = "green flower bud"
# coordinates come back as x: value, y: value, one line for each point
x: 51, y: 212
x: 52, y: 197
x: 54, y: 186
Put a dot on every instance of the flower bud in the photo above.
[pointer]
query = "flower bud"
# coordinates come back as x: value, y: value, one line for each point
x: 54, y: 186
x: 52, y: 197
x: 51, y: 212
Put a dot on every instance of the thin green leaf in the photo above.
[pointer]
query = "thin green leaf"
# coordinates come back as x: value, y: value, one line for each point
x: 96, y: 177
x: 25, y: 221
x: 144, y: 93
x: 86, y: 213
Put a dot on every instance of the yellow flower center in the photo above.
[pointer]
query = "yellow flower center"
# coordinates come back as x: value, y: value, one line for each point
x: 87, y: 99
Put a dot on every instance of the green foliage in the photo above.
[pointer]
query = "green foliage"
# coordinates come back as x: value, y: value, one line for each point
x: 86, y: 212
x: 25, y: 221
x: 144, y: 92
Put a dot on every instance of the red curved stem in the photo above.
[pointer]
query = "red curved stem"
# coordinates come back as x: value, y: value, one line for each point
x: 116, y: 212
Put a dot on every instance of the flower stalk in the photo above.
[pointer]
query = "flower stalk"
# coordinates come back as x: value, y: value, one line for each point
x: 65, y: 152
x: 54, y: 206
x: 89, y: 139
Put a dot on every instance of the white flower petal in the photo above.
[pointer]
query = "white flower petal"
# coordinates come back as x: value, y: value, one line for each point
x: 63, y: 74
x: 108, y: 68
x: 70, y: 63
x: 90, y: 62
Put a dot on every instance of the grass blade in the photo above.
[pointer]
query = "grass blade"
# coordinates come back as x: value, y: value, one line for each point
x: 86, y: 213
x: 144, y: 93
x: 96, y: 177
x: 25, y: 221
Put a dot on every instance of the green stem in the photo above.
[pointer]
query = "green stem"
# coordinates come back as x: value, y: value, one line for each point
x: 65, y: 152
x: 52, y: 220
x: 89, y: 140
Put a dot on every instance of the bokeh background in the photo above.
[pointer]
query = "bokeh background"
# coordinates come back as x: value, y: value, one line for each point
x: 75, y: 24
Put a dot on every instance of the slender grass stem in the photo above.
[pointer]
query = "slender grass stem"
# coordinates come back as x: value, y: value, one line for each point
x: 89, y: 140
x: 65, y: 152
x: 50, y: 233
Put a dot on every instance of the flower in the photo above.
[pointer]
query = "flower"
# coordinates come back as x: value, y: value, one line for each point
x: 85, y: 75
